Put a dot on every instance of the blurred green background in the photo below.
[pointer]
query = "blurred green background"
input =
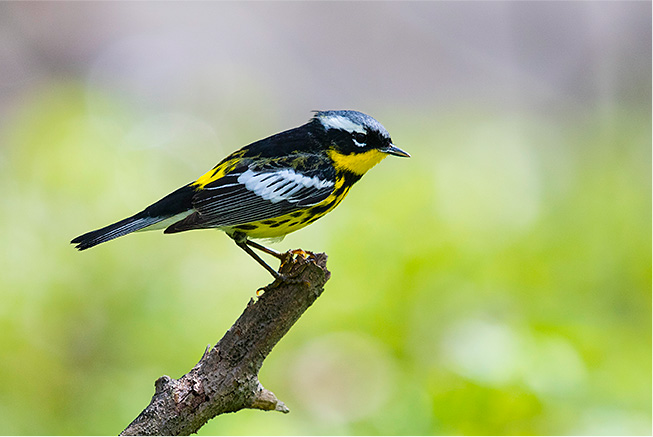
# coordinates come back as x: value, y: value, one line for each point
x: 498, y: 282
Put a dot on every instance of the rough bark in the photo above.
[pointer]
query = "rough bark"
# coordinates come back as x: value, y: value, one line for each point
x: 226, y: 378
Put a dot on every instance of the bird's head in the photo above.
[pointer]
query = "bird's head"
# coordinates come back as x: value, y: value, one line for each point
x: 355, y: 141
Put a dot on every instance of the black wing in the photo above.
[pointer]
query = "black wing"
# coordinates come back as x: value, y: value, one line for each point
x: 260, y: 192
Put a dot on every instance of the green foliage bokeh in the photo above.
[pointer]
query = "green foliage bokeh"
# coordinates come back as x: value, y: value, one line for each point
x: 498, y: 282
x: 493, y: 292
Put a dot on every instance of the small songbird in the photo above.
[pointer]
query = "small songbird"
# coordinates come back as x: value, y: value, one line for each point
x: 269, y: 188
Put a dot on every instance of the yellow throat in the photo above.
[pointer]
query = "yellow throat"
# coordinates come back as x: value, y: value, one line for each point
x: 358, y: 163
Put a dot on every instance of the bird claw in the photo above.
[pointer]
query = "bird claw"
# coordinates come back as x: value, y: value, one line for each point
x: 295, y: 254
x: 281, y: 278
x: 301, y: 252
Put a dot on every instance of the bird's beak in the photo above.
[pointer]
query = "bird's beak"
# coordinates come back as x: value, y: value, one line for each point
x: 394, y: 150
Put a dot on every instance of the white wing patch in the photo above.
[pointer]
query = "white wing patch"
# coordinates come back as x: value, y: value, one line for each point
x: 340, y: 122
x: 280, y: 185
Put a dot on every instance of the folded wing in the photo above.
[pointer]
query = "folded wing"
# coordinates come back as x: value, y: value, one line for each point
x: 250, y: 194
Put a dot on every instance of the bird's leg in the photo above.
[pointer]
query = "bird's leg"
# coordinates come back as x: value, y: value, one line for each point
x: 267, y: 250
x: 242, y: 242
x: 281, y: 256
x: 243, y: 245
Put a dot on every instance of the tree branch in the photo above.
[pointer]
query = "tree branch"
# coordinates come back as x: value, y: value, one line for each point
x: 226, y: 378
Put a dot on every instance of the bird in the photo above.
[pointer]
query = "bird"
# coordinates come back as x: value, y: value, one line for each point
x: 269, y: 188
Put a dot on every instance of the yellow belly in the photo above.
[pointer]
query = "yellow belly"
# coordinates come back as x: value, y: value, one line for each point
x: 272, y: 228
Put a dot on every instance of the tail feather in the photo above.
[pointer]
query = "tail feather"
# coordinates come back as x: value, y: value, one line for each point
x: 118, y: 229
x: 173, y: 207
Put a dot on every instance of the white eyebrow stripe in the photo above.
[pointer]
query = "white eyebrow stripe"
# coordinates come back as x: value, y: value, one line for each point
x: 340, y: 122
x: 275, y: 186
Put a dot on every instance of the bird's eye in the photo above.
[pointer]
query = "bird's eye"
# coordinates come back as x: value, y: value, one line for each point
x: 359, y: 139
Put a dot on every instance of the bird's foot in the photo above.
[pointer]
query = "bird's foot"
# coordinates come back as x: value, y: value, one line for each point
x: 291, y: 257
x: 294, y: 255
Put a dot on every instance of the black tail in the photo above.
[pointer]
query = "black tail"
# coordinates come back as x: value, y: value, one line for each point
x: 123, y: 227
x: 177, y: 203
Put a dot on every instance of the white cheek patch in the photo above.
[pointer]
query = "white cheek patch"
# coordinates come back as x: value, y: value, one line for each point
x: 280, y: 185
x: 340, y: 122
